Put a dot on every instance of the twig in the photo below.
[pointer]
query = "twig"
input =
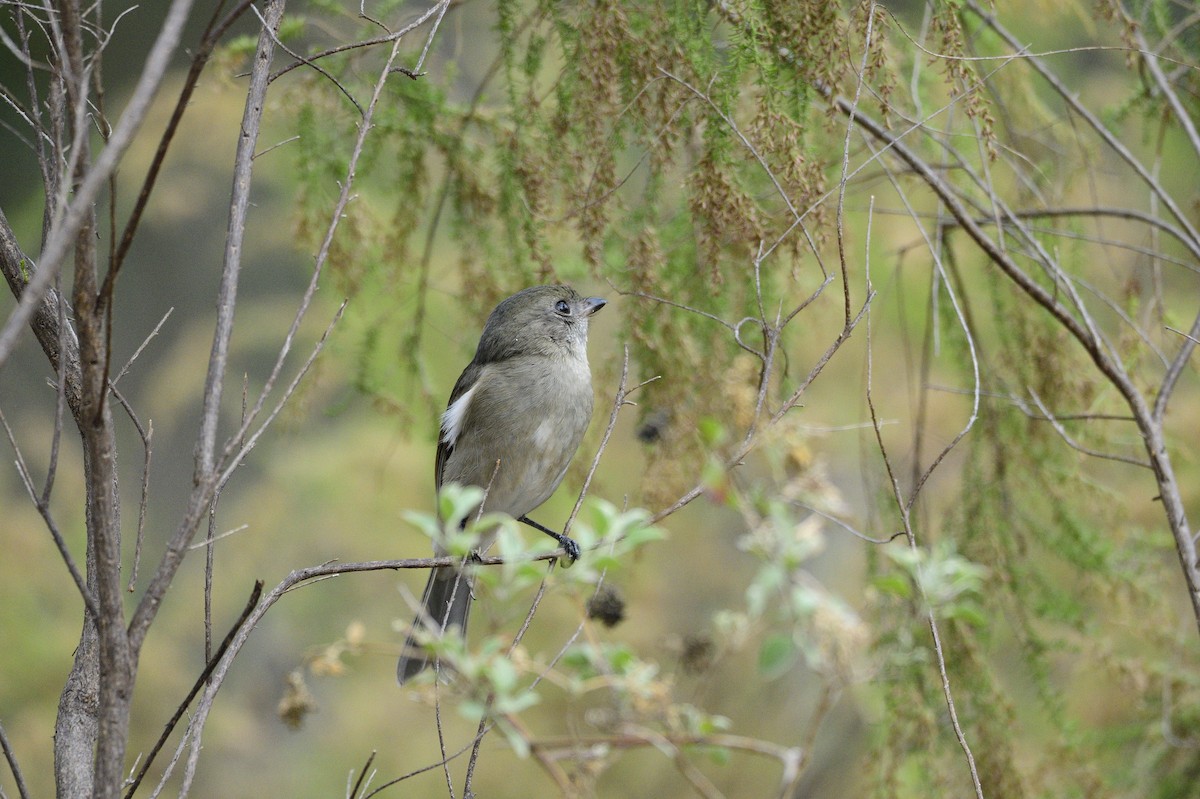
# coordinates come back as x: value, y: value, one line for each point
x: 63, y: 233
x: 243, y: 448
x: 741, y: 137
x: 845, y: 169
x: 358, y: 784
x: 239, y: 204
x: 905, y: 508
x: 149, y: 337
x: 13, y: 766
x: 484, y: 725
x: 1075, y: 445
x: 1181, y: 333
x: 204, y: 478
x: 212, y: 34
x: 147, y: 435
x: 209, y: 541
x: 89, y: 600
x: 415, y: 772
x: 255, y: 594
x: 316, y: 67
x: 620, y: 399
x: 440, y: 8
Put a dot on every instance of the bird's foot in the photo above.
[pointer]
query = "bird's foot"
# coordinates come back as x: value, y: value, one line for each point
x: 569, y: 546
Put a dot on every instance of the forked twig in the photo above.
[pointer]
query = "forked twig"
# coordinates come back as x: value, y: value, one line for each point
x: 255, y: 594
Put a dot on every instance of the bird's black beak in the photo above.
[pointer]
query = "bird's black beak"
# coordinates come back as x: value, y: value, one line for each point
x: 593, y: 304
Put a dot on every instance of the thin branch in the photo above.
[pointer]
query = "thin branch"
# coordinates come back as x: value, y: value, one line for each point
x: 147, y: 435
x: 485, y: 725
x: 205, y: 479
x: 255, y: 594
x: 13, y: 766
x: 1073, y: 444
x: 415, y: 772
x: 845, y: 168
x: 960, y: 316
x: 741, y: 137
x: 904, y: 507
x: 145, y: 342
x: 244, y: 448
x: 208, y: 41
x: 1181, y: 333
x: 1071, y: 98
x: 440, y: 8
x: 620, y: 399
x: 792, y: 400
x: 362, y: 774
x: 43, y: 509
x: 63, y: 233
x: 239, y: 204
x: 315, y: 66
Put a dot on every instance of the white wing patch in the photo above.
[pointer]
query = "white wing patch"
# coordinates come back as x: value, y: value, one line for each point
x: 452, y: 419
x: 543, y: 435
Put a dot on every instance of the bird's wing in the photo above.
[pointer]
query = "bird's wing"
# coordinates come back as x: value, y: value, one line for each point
x: 453, y: 418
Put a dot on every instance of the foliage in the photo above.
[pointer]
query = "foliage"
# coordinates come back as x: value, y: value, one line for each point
x: 686, y: 154
x: 913, y: 307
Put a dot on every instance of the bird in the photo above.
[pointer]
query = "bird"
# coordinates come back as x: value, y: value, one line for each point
x: 515, y: 418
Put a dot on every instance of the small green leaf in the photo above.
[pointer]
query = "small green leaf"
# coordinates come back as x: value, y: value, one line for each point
x: 894, y: 584
x: 503, y: 675
x: 424, y: 522
x: 777, y: 655
x: 712, y: 432
x: 719, y: 755
x: 644, y: 535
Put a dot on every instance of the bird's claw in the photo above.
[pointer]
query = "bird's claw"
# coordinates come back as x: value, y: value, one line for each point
x: 571, y: 549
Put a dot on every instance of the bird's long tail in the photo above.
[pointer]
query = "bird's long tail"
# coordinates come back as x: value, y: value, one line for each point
x: 445, y: 604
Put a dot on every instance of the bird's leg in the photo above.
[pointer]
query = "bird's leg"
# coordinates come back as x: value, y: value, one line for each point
x: 569, y: 546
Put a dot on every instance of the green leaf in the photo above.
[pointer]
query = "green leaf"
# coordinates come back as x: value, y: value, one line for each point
x: 425, y: 522
x: 776, y: 655
x: 894, y: 584
x: 503, y: 675
x: 720, y: 755
x: 711, y: 431
x: 640, y: 535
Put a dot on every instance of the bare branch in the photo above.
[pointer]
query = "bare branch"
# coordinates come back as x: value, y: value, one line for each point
x: 1072, y: 99
x: 1084, y: 332
x: 315, y: 66
x: 212, y: 34
x: 255, y: 594
x: 63, y: 234
x: 1073, y: 444
x: 904, y: 507
x: 619, y: 400
x: 145, y: 342
x: 43, y: 509
x: 13, y: 766
x: 204, y: 477
x: 214, y: 382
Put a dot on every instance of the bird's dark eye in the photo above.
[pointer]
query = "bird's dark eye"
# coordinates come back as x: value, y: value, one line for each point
x: 563, y: 307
